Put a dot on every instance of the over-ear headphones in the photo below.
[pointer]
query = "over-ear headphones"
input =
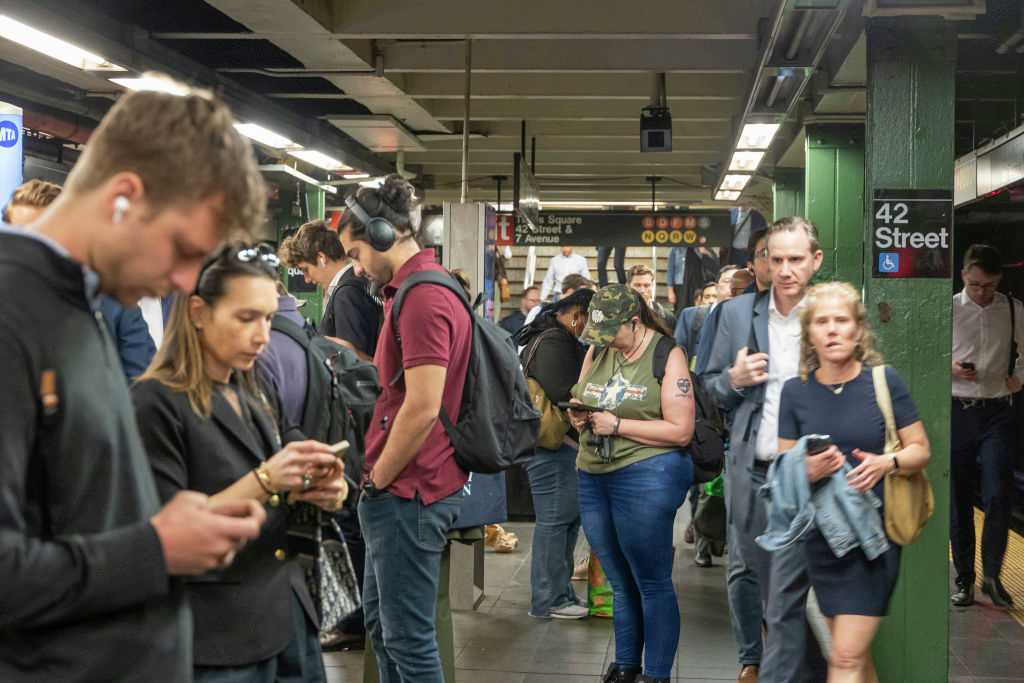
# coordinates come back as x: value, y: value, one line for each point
x: 380, y: 233
x: 121, y: 205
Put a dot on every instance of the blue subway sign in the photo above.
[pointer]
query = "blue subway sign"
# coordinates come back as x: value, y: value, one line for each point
x: 9, y: 134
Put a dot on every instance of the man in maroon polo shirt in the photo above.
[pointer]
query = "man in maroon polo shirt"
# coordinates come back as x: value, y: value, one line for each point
x: 412, y: 487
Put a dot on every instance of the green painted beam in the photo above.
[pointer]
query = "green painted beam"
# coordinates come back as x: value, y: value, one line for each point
x: 909, y: 136
x: 788, y: 192
x: 835, y: 197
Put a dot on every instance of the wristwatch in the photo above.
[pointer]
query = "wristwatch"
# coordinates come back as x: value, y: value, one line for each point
x: 370, y: 489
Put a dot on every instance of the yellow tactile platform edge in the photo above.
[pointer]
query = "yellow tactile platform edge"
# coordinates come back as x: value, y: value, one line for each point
x: 1013, y: 566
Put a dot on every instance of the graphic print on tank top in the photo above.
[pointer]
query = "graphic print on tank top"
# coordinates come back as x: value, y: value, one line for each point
x: 610, y: 396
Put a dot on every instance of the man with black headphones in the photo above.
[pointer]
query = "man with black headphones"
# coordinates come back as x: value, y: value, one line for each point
x: 412, y: 486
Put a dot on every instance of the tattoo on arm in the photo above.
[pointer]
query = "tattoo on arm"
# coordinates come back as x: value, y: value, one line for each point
x: 684, y: 388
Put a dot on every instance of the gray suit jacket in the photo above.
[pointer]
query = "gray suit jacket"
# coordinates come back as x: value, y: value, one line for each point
x: 736, y: 319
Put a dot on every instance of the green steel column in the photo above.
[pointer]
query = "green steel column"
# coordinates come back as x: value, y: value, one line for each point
x: 910, y: 94
x: 788, y: 192
x: 835, y: 197
x: 315, y: 199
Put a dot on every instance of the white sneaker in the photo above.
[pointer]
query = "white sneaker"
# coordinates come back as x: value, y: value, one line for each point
x: 570, y: 612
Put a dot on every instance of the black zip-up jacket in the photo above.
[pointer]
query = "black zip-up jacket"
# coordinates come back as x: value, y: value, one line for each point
x: 84, y: 590
x: 557, y: 362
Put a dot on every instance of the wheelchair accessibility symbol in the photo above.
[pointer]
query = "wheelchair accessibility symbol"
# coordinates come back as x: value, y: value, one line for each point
x: 888, y: 262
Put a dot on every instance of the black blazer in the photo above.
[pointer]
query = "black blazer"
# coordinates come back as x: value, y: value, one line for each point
x: 242, y: 614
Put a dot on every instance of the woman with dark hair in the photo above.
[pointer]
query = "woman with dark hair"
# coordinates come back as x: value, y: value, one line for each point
x: 208, y: 427
x: 634, y: 473
x: 351, y: 316
x: 553, y: 356
x: 835, y: 396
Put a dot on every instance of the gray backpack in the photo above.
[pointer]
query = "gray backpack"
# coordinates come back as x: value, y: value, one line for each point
x: 497, y: 424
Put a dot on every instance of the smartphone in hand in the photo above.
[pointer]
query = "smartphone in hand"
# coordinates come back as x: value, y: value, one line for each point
x: 573, y: 405
x: 818, y: 443
x: 967, y: 365
x: 340, y: 449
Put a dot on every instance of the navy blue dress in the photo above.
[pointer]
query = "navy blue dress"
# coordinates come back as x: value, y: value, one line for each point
x: 850, y: 584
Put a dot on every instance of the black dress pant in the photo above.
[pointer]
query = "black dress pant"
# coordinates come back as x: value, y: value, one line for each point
x: 602, y: 264
x: 982, y: 447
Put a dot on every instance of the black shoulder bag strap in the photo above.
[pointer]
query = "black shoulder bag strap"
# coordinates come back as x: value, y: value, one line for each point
x: 1013, y: 340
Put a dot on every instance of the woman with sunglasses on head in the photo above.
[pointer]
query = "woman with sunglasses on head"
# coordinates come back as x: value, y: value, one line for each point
x: 207, y: 426
x: 634, y: 473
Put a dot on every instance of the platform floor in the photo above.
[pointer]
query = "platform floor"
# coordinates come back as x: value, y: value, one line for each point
x: 499, y: 643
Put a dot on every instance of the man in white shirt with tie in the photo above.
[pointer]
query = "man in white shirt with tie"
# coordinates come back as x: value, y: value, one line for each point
x: 561, y: 265
x: 987, y: 371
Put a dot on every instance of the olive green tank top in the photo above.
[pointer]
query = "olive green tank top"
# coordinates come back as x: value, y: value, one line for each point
x: 630, y: 391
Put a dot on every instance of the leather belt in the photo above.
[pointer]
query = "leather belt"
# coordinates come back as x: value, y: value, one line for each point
x: 982, y: 402
x: 762, y: 464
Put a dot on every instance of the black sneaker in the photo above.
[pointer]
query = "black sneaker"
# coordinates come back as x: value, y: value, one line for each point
x: 993, y: 588
x: 964, y: 596
x: 702, y: 559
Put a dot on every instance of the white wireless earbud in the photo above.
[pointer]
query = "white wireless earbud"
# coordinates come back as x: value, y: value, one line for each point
x: 323, y: 263
x: 121, y: 205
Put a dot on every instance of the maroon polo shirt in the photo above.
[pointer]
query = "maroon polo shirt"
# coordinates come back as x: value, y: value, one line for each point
x: 435, y: 330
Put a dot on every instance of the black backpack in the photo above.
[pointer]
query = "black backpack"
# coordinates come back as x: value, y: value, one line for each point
x: 340, y: 395
x: 497, y: 424
x: 707, y: 446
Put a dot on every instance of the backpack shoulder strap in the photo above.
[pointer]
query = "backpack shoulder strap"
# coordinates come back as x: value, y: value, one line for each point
x: 1013, y: 340
x: 660, y: 358
x: 283, y: 325
x: 533, y: 349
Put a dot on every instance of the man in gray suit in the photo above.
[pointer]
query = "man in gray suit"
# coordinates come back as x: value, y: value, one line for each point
x: 756, y: 349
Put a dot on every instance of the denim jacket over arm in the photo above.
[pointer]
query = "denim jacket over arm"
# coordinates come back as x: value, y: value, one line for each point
x: 846, y: 517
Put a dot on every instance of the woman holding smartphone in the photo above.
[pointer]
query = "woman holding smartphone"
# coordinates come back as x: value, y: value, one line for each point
x: 634, y: 473
x: 835, y: 395
x: 208, y: 427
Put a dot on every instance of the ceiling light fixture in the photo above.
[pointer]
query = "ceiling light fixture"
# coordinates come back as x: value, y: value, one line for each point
x: 355, y: 175
x: 266, y: 137
x: 745, y: 161
x: 727, y: 195
x: 54, y: 47
x: 321, y: 160
x: 153, y: 83
x: 735, y: 181
x: 757, y: 135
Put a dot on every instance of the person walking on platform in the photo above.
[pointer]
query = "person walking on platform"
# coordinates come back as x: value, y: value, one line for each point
x: 756, y: 348
x: 412, y: 486
x: 834, y: 395
x: 988, y: 328
x: 688, y: 269
x: 529, y: 298
x: 88, y: 558
x: 553, y: 356
x: 562, y: 265
x: 208, y: 426
x: 634, y: 472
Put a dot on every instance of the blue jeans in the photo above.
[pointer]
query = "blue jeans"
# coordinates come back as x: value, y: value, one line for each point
x: 982, y: 448
x: 555, y: 500
x: 627, y: 516
x: 404, y: 540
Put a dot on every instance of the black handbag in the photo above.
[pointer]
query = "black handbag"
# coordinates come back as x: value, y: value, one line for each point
x: 316, y: 540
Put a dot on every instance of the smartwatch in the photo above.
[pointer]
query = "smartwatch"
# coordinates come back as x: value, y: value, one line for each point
x: 370, y: 489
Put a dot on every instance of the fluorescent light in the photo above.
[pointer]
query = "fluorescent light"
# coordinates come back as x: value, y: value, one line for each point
x: 154, y: 83
x: 322, y: 160
x: 745, y: 161
x: 355, y: 175
x: 734, y: 181
x: 266, y: 137
x: 727, y: 195
x: 20, y: 33
x: 596, y: 205
x: 300, y: 176
x: 757, y: 135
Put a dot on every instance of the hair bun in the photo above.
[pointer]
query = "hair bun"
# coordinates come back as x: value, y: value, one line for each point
x: 397, y: 193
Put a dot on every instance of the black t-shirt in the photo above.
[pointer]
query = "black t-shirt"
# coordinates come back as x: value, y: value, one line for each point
x: 851, y: 418
x: 353, y: 315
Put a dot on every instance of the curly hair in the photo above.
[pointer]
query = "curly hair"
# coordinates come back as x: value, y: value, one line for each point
x: 845, y: 292
x: 311, y: 239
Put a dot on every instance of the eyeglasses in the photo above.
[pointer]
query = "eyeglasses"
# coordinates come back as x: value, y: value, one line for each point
x: 761, y: 253
x: 990, y: 287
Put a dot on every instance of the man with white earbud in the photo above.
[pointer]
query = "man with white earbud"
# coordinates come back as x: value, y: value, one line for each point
x: 89, y: 560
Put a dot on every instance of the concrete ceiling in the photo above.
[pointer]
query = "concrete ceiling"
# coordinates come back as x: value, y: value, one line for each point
x: 372, y: 80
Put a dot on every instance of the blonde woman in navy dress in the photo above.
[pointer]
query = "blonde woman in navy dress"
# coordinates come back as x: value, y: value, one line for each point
x: 835, y: 395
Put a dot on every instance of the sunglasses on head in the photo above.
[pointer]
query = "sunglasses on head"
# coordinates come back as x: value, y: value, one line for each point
x: 262, y: 253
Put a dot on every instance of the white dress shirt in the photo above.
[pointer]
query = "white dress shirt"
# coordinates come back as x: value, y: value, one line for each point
x: 783, y: 365
x: 982, y: 336
x: 153, y: 314
x: 559, y: 267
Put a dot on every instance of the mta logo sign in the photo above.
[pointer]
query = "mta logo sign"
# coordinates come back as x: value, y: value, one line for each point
x: 9, y: 134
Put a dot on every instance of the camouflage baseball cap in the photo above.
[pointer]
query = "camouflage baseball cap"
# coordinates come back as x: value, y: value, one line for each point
x: 609, y: 309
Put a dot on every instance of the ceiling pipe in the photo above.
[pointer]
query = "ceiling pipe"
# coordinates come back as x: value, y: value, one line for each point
x: 798, y: 37
x: 465, y: 124
x: 300, y: 72
x: 71, y: 128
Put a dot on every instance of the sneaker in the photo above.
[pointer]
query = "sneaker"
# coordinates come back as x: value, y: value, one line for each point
x: 569, y: 612
x: 581, y: 570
